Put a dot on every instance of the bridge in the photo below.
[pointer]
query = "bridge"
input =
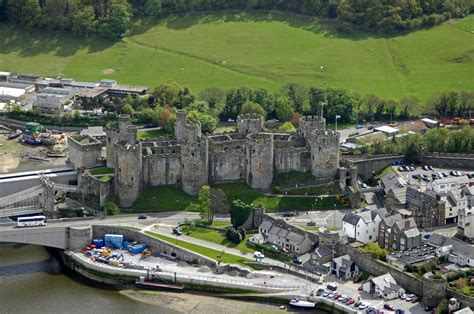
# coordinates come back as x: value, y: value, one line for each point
x: 33, y: 200
x: 60, y: 237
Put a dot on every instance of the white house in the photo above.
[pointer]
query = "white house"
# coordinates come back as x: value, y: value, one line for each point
x: 362, y: 227
x: 443, y: 186
x: 466, y: 223
x: 383, y: 286
x: 458, y: 252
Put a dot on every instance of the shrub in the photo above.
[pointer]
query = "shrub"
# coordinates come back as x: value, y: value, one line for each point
x: 233, y: 235
x: 375, y: 251
x: 111, y: 209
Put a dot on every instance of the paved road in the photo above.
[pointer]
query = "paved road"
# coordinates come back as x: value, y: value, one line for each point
x: 327, y: 218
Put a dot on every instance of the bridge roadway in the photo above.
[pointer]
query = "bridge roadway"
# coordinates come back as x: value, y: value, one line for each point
x: 58, y: 232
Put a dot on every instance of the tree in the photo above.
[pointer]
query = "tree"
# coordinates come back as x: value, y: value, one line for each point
x: 233, y: 235
x: 154, y: 7
x: 212, y: 95
x: 127, y: 109
x: 251, y: 107
x: 111, y: 209
x: 83, y: 20
x: 203, y: 205
x: 413, y: 153
x: 166, y: 93
x: 283, y: 108
x: 208, y: 122
x: 297, y: 94
x: 286, y: 127
x: 117, y: 21
x: 316, y: 97
x: 240, y: 212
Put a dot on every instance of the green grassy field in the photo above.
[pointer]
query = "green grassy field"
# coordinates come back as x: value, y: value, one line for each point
x: 255, y: 50
x: 211, y: 253
x: 162, y: 198
x: 150, y: 134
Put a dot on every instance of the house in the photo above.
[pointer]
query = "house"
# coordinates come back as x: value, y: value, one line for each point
x: 50, y: 103
x: 456, y: 200
x: 283, y: 235
x: 396, y: 198
x: 466, y: 223
x: 322, y: 255
x: 391, y: 180
x: 398, y: 233
x: 458, y: 252
x: 362, y: 226
x: 444, y: 185
x: 344, y: 268
x: 383, y: 286
x: 427, y: 207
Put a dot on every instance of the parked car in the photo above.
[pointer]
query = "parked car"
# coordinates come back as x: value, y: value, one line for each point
x: 284, y: 250
x: 177, y: 231
x: 399, y: 311
x: 332, y: 286
x: 357, y: 279
x: 297, y: 260
x: 360, y: 288
x: 275, y: 247
x: 409, y: 297
x: 364, y: 185
x: 356, y: 304
x: 388, y: 307
x: 359, y: 127
x: 336, y: 296
x: 363, y: 306
x: 258, y: 254
x: 412, y: 168
x: 350, y: 301
x: 142, y: 217
x: 401, y: 169
x: 415, y: 300
x: 430, y: 167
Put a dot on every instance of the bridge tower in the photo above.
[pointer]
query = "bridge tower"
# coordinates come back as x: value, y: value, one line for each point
x: 47, y: 197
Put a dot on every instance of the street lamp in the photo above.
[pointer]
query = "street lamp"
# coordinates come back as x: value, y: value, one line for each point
x: 322, y: 106
x: 337, y: 117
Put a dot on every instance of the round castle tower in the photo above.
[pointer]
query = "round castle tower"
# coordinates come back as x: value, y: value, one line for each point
x: 324, y: 153
x: 128, y: 173
x: 259, y: 159
x: 310, y: 123
x: 249, y: 123
x: 195, y: 159
x: 122, y: 131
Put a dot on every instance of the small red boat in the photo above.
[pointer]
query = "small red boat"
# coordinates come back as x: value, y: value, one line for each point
x: 14, y: 134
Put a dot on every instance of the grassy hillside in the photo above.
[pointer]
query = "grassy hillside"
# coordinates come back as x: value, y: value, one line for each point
x: 256, y: 50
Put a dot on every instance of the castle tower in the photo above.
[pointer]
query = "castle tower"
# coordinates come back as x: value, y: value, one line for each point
x: 122, y: 131
x: 180, y: 124
x: 128, y: 173
x: 259, y: 159
x: 324, y: 153
x: 309, y: 124
x: 195, y: 163
x: 249, y: 123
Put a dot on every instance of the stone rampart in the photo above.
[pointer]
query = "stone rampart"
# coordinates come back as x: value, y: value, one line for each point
x: 161, y: 169
x: 259, y: 156
x: 464, y: 299
x: 292, y: 159
x: 84, y: 151
x: 450, y: 161
x: 369, y: 165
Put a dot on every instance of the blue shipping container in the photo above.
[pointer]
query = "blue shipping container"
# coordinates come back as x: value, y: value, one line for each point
x: 98, y: 243
x: 113, y: 240
x: 137, y: 249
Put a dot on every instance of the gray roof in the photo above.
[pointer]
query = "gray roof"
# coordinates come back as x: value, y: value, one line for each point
x: 385, y: 281
x: 323, y: 251
x: 93, y: 131
x: 295, y: 237
x: 401, y: 223
x: 351, y: 218
x: 460, y: 248
x: 265, y: 225
x: 368, y: 215
x: 400, y: 194
x: 344, y: 261
x: 391, y: 180
x: 412, y: 233
x: 391, y: 220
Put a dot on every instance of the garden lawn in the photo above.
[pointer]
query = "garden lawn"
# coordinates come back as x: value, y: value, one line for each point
x: 247, y: 195
x: 256, y: 50
x: 211, y: 253
x: 218, y: 237
x: 149, y: 134
x: 161, y: 198
x: 101, y: 170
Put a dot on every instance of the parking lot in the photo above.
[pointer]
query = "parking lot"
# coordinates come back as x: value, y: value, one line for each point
x: 412, y: 256
x: 326, y: 218
x: 350, y: 289
x: 411, y: 176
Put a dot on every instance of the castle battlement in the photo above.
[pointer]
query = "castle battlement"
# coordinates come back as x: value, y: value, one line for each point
x: 249, y: 116
x: 312, y: 119
x: 260, y: 138
x: 162, y: 156
x: 84, y: 142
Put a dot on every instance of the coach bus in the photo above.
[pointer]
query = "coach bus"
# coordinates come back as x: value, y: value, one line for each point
x: 32, y: 221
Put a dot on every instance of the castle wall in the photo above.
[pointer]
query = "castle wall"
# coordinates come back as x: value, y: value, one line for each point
x: 161, y: 169
x: 259, y: 155
x: 128, y: 171
x: 122, y: 131
x: 249, y: 123
x: 292, y: 159
x: 324, y: 153
x: 310, y: 123
x: 84, y: 151
x: 227, y: 161
x: 194, y: 171
x: 180, y: 123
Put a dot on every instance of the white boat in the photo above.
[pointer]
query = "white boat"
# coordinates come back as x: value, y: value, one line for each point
x: 301, y: 303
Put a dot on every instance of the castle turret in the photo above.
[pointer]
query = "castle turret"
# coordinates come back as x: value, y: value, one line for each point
x: 308, y: 124
x: 128, y: 173
x: 324, y: 153
x: 180, y: 124
x: 259, y: 157
x: 249, y: 123
x: 195, y: 162
x: 122, y: 131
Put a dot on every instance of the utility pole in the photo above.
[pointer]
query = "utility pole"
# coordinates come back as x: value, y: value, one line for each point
x: 337, y: 117
x: 322, y: 107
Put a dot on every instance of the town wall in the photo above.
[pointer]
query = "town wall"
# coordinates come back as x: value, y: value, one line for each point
x: 259, y: 155
x: 450, y: 161
x: 464, y: 299
x: 369, y: 165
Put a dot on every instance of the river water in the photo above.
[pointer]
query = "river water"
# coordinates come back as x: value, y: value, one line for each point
x: 31, y: 281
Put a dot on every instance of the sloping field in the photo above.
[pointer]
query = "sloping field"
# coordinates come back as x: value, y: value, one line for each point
x: 255, y: 50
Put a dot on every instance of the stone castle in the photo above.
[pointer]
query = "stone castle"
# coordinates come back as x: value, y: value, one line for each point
x: 193, y: 159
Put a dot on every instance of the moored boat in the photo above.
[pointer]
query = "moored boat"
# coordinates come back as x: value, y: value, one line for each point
x: 14, y: 134
x: 302, y: 304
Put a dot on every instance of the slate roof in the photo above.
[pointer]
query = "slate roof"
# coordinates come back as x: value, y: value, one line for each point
x: 412, y: 233
x: 391, y: 180
x: 401, y: 223
x: 391, y: 220
x: 460, y: 248
x: 323, y: 251
x: 400, y: 194
x: 386, y: 283
x: 344, y: 262
x: 265, y: 225
x: 351, y: 218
